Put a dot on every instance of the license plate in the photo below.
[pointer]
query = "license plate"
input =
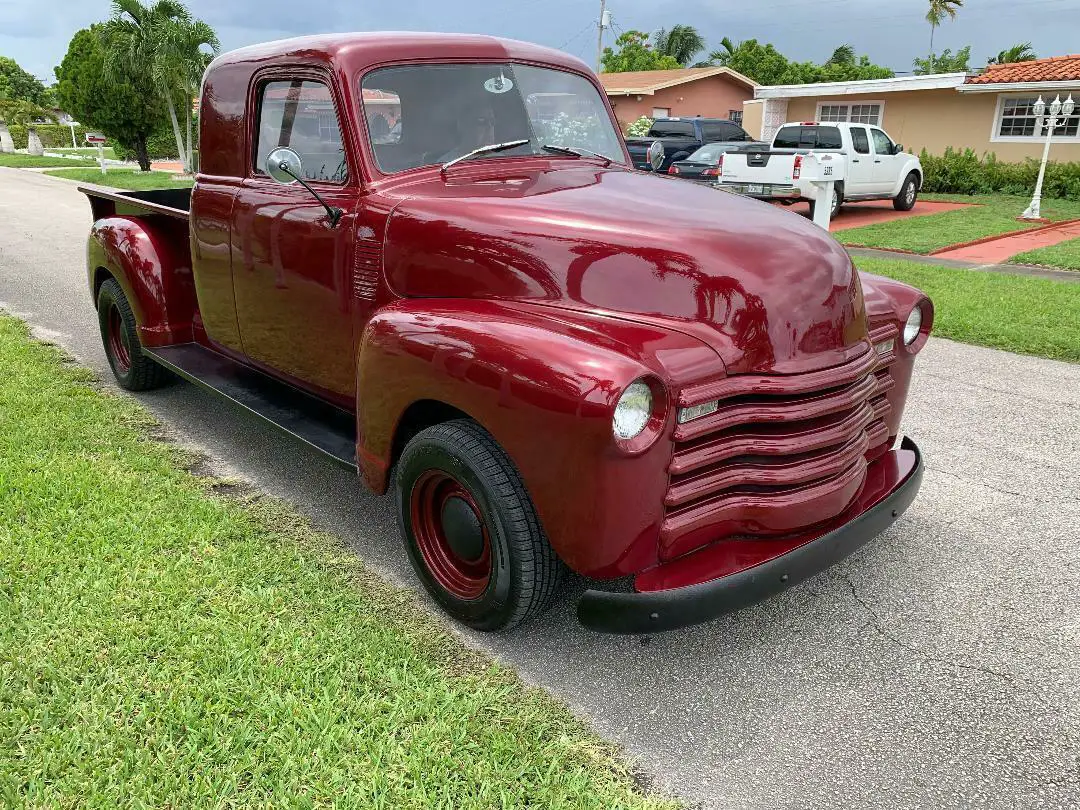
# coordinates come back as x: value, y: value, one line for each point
x: 755, y: 188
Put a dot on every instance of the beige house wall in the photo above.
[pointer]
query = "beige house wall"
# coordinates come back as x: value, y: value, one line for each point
x: 753, y: 117
x: 936, y: 119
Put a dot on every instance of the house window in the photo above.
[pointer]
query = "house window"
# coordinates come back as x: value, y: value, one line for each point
x: 867, y: 113
x: 735, y: 117
x: 1016, y: 119
x: 661, y: 112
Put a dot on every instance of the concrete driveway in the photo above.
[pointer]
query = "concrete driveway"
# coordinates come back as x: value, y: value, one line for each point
x: 937, y: 668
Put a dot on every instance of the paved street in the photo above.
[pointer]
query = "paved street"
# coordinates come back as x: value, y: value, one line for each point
x: 940, y: 667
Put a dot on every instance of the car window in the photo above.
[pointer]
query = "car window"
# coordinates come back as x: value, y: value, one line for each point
x: 731, y: 132
x: 860, y: 141
x: 787, y: 138
x: 713, y: 132
x: 434, y: 113
x: 710, y: 153
x: 300, y: 114
x: 882, y: 144
x: 672, y: 129
x: 828, y: 138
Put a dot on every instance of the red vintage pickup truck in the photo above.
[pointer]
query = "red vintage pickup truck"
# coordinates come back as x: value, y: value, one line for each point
x: 429, y: 257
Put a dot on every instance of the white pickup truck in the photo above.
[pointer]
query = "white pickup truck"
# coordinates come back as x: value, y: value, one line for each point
x: 876, y: 168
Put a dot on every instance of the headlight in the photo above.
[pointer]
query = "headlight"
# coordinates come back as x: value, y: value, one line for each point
x: 913, y: 325
x: 633, y: 410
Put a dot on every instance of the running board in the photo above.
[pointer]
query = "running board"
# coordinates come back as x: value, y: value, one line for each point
x: 312, y: 421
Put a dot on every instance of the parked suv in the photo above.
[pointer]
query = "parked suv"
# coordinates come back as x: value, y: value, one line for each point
x: 672, y: 139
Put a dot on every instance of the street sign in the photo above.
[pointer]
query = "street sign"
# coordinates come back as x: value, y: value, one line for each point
x: 95, y: 138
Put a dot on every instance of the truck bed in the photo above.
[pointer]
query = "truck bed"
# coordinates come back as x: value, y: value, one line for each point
x: 169, y: 202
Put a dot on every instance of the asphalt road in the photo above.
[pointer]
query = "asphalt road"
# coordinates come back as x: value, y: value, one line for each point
x: 939, y: 667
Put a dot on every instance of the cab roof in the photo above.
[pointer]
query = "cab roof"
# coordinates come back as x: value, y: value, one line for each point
x: 360, y: 51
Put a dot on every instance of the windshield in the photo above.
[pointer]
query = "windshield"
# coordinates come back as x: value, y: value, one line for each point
x: 418, y: 115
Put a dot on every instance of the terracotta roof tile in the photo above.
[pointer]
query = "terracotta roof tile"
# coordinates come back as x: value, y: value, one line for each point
x: 1054, y: 69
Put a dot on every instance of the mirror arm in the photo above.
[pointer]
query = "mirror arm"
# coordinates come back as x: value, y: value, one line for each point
x: 332, y: 213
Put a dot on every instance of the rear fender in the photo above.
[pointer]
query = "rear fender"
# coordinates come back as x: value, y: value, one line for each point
x: 152, y: 264
x: 544, y: 383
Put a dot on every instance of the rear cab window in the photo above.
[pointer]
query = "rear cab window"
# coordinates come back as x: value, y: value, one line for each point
x: 300, y: 114
x: 808, y: 137
x: 672, y: 129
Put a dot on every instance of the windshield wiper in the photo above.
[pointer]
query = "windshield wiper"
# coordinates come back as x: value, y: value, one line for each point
x: 483, y: 150
x: 575, y: 150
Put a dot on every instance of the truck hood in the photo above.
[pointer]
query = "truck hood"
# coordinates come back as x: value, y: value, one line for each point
x: 764, y: 287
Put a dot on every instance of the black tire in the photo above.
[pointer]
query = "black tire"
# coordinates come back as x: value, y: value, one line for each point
x: 909, y: 193
x: 838, y: 201
x: 522, y: 570
x: 133, y: 369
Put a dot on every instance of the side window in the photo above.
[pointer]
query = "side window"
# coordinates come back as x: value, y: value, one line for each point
x: 713, y: 132
x: 300, y: 114
x: 882, y: 144
x: 860, y: 141
x: 730, y: 132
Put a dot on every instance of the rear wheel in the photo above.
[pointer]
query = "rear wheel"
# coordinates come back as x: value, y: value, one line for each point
x: 909, y: 193
x: 837, y: 201
x: 470, y: 529
x: 133, y: 369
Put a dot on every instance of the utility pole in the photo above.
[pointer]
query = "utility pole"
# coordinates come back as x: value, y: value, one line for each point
x: 600, y: 25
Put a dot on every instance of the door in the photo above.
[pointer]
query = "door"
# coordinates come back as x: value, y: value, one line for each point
x: 292, y: 271
x: 860, y: 169
x: 885, y: 168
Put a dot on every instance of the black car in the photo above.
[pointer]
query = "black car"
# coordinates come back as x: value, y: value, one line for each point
x: 702, y: 166
x: 681, y: 137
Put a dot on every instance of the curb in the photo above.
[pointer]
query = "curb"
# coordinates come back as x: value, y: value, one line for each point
x: 985, y: 239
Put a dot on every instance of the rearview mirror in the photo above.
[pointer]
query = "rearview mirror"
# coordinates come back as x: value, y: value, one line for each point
x: 284, y: 165
x: 898, y: 149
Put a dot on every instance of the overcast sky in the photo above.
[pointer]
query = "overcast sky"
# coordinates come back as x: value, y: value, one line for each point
x: 36, y: 34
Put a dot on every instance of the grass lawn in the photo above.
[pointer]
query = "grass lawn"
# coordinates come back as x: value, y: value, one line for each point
x: 123, y: 178
x: 17, y: 160
x: 1015, y: 313
x: 165, y: 646
x: 925, y: 234
x: 88, y: 151
x: 1065, y: 255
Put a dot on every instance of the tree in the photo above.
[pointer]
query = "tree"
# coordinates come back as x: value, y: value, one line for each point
x: 167, y: 41
x: 634, y: 53
x: 18, y: 85
x: 681, y: 43
x: 27, y: 114
x: 1017, y: 53
x: 945, y: 62
x: 766, y: 65
x: 938, y: 11
x: 126, y: 108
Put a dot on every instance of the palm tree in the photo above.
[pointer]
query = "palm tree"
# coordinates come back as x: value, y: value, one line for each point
x: 680, y: 43
x: 722, y: 55
x: 939, y: 10
x: 167, y: 41
x: 1017, y: 53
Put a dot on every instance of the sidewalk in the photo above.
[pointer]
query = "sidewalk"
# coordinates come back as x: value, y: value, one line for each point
x: 941, y: 260
x: 995, y: 251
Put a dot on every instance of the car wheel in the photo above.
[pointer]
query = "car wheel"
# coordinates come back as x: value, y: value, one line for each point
x: 909, y: 193
x: 133, y: 369
x: 470, y: 528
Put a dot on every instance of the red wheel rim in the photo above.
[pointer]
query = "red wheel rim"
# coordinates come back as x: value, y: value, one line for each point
x: 451, y: 534
x: 118, y: 341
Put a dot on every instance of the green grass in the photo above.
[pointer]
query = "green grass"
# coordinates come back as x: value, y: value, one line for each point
x: 165, y: 646
x: 16, y: 160
x: 1065, y: 255
x: 925, y: 234
x: 1016, y: 313
x: 88, y: 151
x: 123, y: 178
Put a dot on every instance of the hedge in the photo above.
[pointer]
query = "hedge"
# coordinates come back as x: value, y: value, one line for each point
x: 160, y: 145
x: 965, y: 172
x: 53, y: 136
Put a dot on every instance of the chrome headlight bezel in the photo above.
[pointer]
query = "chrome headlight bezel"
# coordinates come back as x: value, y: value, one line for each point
x: 632, y: 411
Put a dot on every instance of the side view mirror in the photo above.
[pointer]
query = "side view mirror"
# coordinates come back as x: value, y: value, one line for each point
x: 656, y: 155
x: 284, y: 165
x: 898, y: 149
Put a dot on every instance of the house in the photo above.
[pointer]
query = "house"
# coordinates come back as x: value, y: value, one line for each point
x: 711, y: 92
x: 989, y: 110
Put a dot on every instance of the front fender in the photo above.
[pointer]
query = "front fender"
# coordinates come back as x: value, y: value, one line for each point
x: 153, y: 267
x: 912, y: 165
x: 544, y: 382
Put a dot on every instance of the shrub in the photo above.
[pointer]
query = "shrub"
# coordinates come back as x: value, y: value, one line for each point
x: 53, y: 136
x: 964, y: 172
x: 639, y: 128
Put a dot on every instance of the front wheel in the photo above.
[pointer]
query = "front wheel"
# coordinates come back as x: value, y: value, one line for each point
x: 471, y: 530
x: 133, y: 369
x: 909, y: 193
